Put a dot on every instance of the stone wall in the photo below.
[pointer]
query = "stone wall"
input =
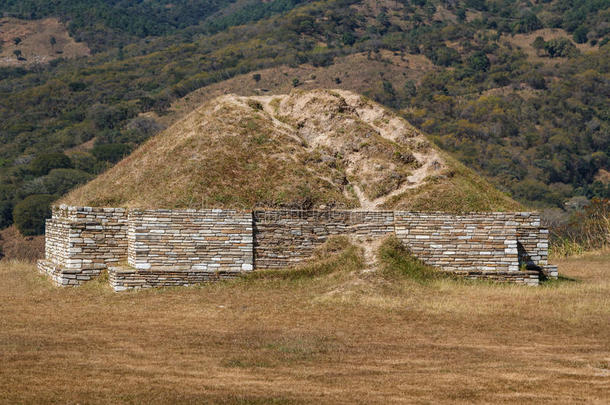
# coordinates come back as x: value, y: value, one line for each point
x: 209, y: 241
x: 461, y: 242
x: 57, y: 240
x: 83, y: 241
x: 125, y: 278
x: 150, y: 248
x: 283, y: 238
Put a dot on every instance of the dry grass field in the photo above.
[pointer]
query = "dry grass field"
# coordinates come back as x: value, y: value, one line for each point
x: 327, y: 333
x: 34, y: 41
x: 524, y: 42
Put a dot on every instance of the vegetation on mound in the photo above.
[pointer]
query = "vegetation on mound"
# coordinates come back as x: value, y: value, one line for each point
x: 308, y: 150
x: 233, y: 156
x: 396, y: 261
x: 456, y: 189
x: 337, y: 254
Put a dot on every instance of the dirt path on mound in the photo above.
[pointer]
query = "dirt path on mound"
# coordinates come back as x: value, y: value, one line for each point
x: 389, y: 127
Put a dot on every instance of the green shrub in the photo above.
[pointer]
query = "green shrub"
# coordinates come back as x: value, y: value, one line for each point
x: 77, y: 86
x: 536, y: 80
x: 580, y: 34
x: 85, y: 161
x: 31, y: 213
x: 44, y: 163
x: 60, y: 181
x: 527, y: 23
x: 479, y: 62
x: 6, y: 214
x: 397, y: 261
x: 112, y: 152
x: 560, y: 47
x: 337, y: 254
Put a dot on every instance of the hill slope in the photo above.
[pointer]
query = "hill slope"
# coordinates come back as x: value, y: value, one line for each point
x: 517, y: 92
x: 309, y: 149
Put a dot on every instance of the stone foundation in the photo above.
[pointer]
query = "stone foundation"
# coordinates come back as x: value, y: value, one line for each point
x: 155, y: 248
x: 526, y: 277
x: 125, y: 278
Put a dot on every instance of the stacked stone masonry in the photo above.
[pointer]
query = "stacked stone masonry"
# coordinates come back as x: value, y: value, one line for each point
x: 283, y: 238
x: 190, y: 240
x: 82, y: 242
x: 155, y: 248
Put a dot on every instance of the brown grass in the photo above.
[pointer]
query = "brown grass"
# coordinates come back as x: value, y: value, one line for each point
x: 15, y: 246
x: 455, y: 189
x: 35, y: 45
x: 339, y: 337
x: 395, y: 68
x: 524, y: 42
x: 309, y: 149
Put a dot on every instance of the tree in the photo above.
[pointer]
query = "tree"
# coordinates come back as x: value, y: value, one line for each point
x: 461, y: 14
x: 580, y: 34
x: 106, y: 116
x: 538, y: 44
x: 528, y: 23
x: 60, y: 181
x: 410, y: 88
x: 256, y: 77
x: 560, y: 47
x: 536, y: 80
x: 31, y: 213
x: 112, y: 152
x: 77, y: 86
x: 44, y: 163
x: 348, y: 38
x: 479, y: 62
x: 442, y: 55
x: 6, y: 214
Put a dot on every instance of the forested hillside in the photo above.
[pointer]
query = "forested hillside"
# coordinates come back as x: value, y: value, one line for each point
x: 106, y: 23
x: 103, y: 23
x: 519, y: 90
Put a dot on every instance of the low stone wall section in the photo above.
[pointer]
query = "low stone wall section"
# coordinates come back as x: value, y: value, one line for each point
x: 283, y: 238
x: 149, y: 248
x: 527, y: 277
x: 125, y: 278
x: 207, y: 241
x: 84, y: 241
x: 460, y: 242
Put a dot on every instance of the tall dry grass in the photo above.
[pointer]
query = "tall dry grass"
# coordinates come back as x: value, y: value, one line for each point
x: 585, y: 230
x: 344, y: 336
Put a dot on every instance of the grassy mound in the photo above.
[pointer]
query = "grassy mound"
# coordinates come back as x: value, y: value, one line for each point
x: 309, y: 149
x: 338, y: 254
x: 397, y: 262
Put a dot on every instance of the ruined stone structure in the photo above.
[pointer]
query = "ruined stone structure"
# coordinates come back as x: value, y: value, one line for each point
x: 154, y: 248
